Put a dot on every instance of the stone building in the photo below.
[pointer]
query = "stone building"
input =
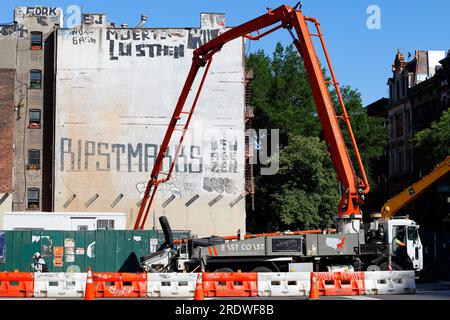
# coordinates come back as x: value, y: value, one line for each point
x: 418, y: 93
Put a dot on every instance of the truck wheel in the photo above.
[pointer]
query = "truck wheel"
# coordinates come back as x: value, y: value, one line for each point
x: 262, y: 269
x: 373, y: 267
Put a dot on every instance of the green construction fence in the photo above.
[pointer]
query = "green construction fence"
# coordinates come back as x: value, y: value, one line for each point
x: 75, y: 251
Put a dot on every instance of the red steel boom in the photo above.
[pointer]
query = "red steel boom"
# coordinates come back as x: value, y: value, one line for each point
x: 290, y: 19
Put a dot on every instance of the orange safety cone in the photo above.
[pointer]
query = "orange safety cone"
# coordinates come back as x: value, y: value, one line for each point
x: 89, y: 292
x: 314, y: 292
x: 199, y: 295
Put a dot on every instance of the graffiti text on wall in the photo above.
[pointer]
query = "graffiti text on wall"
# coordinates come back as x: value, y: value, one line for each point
x: 13, y: 31
x: 198, y: 37
x: 121, y: 45
x: 41, y: 11
x: 120, y: 157
x: 80, y: 36
x: 220, y: 185
x: 7, y: 30
x: 223, y: 156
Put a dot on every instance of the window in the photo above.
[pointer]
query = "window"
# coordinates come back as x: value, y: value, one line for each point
x: 400, y: 161
x: 33, y: 198
x: 36, y: 40
x: 34, y: 159
x: 410, y: 80
x: 392, y: 163
x: 105, y: 224
x: 402, y: 86
x: 82, y: 228
x: 392, y: 127
x: 409, y: 160
x: 399, y: 125
x: 412, y: 234
x: 34, y: 119
x: 399, y: 233
x: 35, y: 79
x: 397, y: 90
x: 405, y: 85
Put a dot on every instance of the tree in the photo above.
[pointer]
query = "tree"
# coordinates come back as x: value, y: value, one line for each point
x: 432, y: 145
x: 370, y: 133
x: 308, y: 190
x: 281, y: 93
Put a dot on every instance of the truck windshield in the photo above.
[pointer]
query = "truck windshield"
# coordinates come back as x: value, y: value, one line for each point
x: 412, y: 233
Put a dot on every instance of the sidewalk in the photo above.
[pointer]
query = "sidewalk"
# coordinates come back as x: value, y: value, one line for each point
x: 441, y: 285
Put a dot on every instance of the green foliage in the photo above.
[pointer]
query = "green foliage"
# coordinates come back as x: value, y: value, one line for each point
x: 304, y: 193
x: 308, y: 186
x: 281, y: 93
x: 433, y: 144
x: 370, y: 133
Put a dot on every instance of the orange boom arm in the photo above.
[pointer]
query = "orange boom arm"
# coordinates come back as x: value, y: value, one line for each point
x: 293, y: 20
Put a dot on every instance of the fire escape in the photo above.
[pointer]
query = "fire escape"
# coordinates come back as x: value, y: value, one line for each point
x: 249, y: 183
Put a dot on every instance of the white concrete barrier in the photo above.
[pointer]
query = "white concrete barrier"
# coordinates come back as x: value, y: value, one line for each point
x: 283, y: 284
x: 389, y: 282
x: 171, y: 284
x: 53, y: 285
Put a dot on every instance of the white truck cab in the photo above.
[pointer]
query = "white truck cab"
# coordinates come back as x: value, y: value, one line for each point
x: 403, y: 232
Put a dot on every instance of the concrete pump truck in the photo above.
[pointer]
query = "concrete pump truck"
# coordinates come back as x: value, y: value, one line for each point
x: 355, y: 246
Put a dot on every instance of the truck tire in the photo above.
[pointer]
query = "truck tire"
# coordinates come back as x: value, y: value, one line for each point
x: 373, y: 267
x: 262, y: 269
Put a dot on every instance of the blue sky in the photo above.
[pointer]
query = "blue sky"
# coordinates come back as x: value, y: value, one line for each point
x: 361, y: 57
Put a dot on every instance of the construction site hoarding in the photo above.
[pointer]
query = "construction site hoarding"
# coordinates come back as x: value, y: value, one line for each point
x: 116, y: 89
x: 75, y: 251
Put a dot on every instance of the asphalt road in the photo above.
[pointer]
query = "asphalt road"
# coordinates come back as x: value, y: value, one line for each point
x: 420, y: 295
x: 430, y: 291
x: 428, y: 294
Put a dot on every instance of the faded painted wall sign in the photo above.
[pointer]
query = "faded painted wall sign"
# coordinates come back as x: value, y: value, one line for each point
x: 198, y: 37
x: 10, y: 31
x: 115, y: 96
x: 7, y: 30
x: 121, y: 157
x: 45, y: 16
x: 81, y: 36
x: 223, y: 156
x: 39, y: 11
x: 122, y: 44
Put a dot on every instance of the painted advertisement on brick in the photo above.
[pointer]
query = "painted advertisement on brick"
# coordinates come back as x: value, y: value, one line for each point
x: 116, y: 91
